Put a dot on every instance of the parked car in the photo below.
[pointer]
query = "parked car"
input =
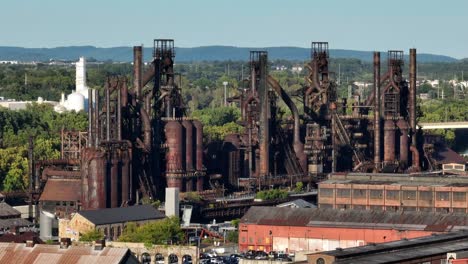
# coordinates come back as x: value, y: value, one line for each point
x: 272, y: 254
x: 283, y: 257
x: 216, y: 260
x: 261, y: 255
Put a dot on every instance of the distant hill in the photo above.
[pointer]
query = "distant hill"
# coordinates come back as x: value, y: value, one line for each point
x: 206, y: 53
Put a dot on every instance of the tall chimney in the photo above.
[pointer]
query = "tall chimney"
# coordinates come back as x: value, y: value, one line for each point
x: 412, y: 94
x: 377, y: 111
x: 264, y: 136
x: 137, y: 73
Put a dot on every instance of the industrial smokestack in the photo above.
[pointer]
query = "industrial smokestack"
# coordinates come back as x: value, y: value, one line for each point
x: 137, y: 73
x: 377, y: 111
x: 264, y: 117
x: 412, y: 94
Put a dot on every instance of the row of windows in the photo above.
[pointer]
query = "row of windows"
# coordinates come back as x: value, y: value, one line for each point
x: 395, y: 208
x: 393, y: 194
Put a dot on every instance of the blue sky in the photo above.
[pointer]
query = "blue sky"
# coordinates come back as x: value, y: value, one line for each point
x: 431, y: 26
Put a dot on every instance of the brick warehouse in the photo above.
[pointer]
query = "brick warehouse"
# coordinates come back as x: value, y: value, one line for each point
x: 394, y: 192
x: 318, y: 229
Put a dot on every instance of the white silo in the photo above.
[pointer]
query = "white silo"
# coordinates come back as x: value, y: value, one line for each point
x: 47, y: 221
x: 75, y: 101
x: 80, y: 80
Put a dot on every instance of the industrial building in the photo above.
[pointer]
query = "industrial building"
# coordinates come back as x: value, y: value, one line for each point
x: 309, y: 229
x: 441, y: 248
x: 77, y: 100
x: 394, y: 192
x: 111, y: 221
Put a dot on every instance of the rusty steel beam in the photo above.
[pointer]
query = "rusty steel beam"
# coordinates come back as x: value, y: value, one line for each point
x: 377, y: 110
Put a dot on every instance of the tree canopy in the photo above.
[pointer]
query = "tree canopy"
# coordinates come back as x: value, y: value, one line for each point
x: 158, y: 232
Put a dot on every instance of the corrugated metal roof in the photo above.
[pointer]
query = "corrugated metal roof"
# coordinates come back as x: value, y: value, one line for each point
x: 50, y: 254
x: 122, y: 214
x: 401, y: 250
x: 19, y: 222
x: 61, y: 190
x: 286, y: 216
x: 7, y: 211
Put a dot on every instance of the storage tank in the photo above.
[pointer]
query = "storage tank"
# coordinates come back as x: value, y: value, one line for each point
x: 47, y: 222
x: 94, y: 182
x: 76, y: 101
x: 174, y: 142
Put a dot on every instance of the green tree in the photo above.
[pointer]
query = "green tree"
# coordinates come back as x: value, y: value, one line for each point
x: 92, y: 235
x: 158, y: 232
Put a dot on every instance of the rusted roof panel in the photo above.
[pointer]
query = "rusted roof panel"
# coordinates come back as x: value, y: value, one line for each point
x: 50, y: 254
x: 353, y: 218
x: 61, y: 190
x: 445, y: 155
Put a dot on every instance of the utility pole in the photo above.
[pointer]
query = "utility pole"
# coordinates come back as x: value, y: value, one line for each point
x: 225, y: 93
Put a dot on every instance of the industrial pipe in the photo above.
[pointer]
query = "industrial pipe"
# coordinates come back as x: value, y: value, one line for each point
x: 137, y: 65
x: 189, y: 149
x: 377, y: 111
x: 404, y: 145
x: 90, y: 117
x: 124, y: 95
x: 114, y: 179
x: 297, y: 144
x: 96, y: 118
x: 108, y: 117
x: 412, y: 94
x: 264, y: 117
x: 415, y: 157
x: 119, y: 112
x: 198, y: 145
x: 126, y: 176
x: 146, y: 129
x: 389, y: 141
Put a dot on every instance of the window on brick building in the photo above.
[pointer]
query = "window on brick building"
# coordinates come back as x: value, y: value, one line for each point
x: 326, y: 192
x: 409, y: 195
x: 425, y: 195
x: 359, y: 193
x: 459, y: 210
x: 392, y: 195
x: 376, y: 194
x: 343, y: 193
x: 442, y: 196
x: 459, y: 196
